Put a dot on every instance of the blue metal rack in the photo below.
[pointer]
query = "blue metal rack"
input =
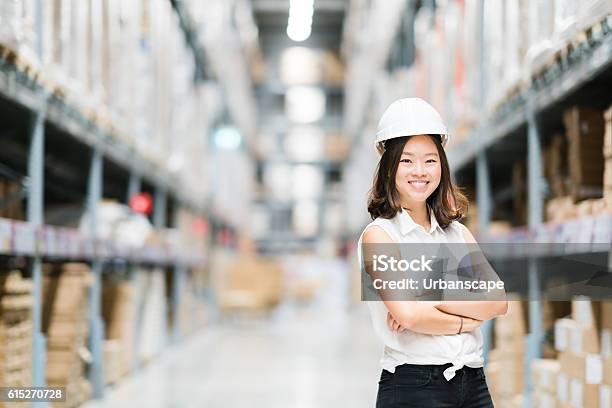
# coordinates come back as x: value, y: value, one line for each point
x: 32, y: 93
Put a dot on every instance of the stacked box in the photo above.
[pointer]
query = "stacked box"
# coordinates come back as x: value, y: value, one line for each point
x: 151, y: 304
x: 605, y: 342
x: 555, y: 166
x: 607, y: 152
x: 505, y: 371
x: 112, y: 361
x: 119, y: 314
x: 519, y: 185
x: 585, y: 135
x: 605, y: 389
x: 66, y: 325
x: 11, y: 202
x: 544, y: 374
x: 15, y: 332
x: 560, y: 209
x: 251, y: 283
x: 581, y: 366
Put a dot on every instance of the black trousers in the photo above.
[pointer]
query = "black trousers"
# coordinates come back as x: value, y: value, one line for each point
x: 424, y: 386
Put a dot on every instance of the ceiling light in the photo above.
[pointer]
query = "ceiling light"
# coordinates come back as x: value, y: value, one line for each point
x: 227, y: 138
x: 305, y: 104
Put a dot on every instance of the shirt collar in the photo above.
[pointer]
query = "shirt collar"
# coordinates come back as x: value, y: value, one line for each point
x: 407, y: 224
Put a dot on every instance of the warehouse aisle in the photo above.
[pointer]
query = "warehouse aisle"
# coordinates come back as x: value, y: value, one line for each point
x: 299, y: 358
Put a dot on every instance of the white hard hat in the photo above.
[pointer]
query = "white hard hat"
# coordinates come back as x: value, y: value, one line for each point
x: 409, y: 117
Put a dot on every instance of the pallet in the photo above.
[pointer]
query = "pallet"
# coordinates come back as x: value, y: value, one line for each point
x: 16, y: 362
x: 12, y: 283
x: 16, y: 378
x: 16, y: 347
x: 15, y: 331
x: 23, y: 63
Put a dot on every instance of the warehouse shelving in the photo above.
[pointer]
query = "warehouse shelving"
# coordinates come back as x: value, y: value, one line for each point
x: 33, y: 94
x: 25, y: 239
x: 30, y: 100
x: 520, y: 125
x: 556, y: 84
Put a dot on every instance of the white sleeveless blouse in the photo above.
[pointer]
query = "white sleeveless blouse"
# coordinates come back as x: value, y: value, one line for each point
x: 410, y: 347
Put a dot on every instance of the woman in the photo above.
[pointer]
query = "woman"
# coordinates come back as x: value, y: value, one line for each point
x: 432, y: 350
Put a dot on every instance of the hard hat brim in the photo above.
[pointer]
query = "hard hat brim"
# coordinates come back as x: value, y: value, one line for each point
x: 380, y: 145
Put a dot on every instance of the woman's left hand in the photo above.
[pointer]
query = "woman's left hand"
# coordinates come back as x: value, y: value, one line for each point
x: 394, y: 325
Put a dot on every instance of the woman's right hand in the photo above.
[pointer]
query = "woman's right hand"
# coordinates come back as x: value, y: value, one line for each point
x: 469, y: 324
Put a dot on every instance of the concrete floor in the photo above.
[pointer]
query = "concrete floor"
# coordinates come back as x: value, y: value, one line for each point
x: 298, y: 357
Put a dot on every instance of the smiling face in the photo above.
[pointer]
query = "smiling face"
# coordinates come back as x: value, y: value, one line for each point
x: 419, y: 170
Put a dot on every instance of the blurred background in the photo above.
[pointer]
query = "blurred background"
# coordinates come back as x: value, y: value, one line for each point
x: 183, y: 184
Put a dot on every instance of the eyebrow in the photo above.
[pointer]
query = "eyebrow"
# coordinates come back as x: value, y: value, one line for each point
x: 412, y: 154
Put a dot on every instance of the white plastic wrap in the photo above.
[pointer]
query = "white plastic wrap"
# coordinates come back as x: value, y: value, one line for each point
x: 11, y: 23
x: 513, y: 41
x: 495, y: 51
x: 423, y: 50
x: 471, y: 57
x: 541, y: 16
x: 566, y: 20
x: 593, y: 11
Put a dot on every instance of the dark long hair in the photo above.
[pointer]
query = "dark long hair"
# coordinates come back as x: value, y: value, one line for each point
x: 447, y: 202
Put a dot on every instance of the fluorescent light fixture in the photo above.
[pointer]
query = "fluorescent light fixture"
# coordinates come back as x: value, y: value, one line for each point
x: 308, y: 181
x: 299, y: 25
x: 277, y: 179
x: 305, y: 104
x: 300, y: 66
x: 306, y: 218
x: 227, y: 138
x: 305, y: 143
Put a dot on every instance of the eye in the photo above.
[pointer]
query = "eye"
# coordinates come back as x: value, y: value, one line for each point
x: 431, y: 161
x: 405, y: 161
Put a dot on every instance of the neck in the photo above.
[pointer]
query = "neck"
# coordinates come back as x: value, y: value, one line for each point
x: 418, y: 212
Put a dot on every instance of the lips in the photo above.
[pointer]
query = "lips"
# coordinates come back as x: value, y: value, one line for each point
x: 419, y: 184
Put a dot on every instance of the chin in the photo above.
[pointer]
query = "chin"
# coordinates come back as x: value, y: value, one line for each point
x: 420, y: 198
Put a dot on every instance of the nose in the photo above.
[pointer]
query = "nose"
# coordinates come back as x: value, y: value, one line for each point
x: 418, y: 169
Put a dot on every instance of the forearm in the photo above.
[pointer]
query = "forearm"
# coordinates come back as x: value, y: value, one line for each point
x: 425, y: 318
x: 480, y: 310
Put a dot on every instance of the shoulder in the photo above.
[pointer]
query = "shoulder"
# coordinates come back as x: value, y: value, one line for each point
x: 377, y: 232
x: 461, y: 229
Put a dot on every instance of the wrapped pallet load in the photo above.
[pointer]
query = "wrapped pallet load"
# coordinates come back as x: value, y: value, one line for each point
x: 65, y: 322
x: 15, y: 331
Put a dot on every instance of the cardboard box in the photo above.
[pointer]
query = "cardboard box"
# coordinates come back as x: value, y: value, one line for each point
x: 586, y: 312
x: 605, y: 343
x: 543, y: 400
x: 562, y: 331
x: 544, y: 374
x: 584, y: 340
x: 563, y: 387
x: 605, y: 396
x: 583, y: 395
x: 607, y: 148
x: 588, y: 368
x: 504, y: 379
x: 607, y: 371
x: 585, y: 131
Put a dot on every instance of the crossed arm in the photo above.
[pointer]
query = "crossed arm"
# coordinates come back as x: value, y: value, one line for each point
x: 436, y: 318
